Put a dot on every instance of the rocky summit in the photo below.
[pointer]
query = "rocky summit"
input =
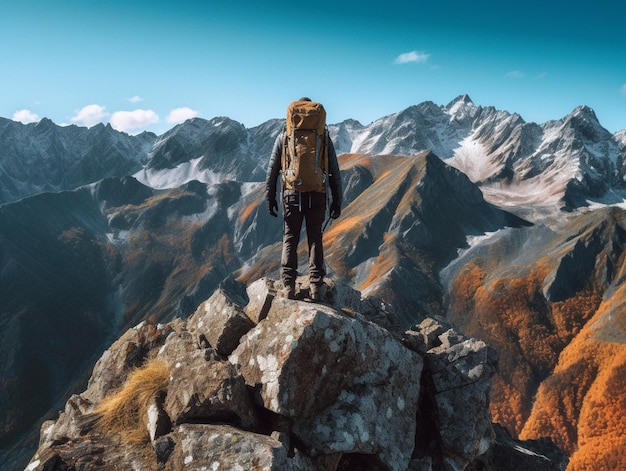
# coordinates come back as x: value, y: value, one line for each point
x: 253, y: 381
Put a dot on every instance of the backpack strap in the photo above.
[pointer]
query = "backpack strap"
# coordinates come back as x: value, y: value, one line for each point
x: 283, y: 160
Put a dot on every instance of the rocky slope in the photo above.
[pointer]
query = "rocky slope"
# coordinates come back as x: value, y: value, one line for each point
x: 79, y: 266
x: 254, y: 381
x: 211, y: 152
x: 404, y: 218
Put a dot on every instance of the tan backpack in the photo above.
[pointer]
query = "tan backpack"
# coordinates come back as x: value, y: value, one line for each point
x: 305, y: 149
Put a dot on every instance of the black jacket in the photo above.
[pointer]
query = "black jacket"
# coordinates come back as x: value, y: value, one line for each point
x: 334, y: 178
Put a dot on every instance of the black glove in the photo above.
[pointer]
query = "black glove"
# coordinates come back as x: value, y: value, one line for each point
x: 272, y: 206
x: 335, y: 209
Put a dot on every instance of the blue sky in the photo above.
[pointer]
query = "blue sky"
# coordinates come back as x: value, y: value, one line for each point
x: 146, y: 65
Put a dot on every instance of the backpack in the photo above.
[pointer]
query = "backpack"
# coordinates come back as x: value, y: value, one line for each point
x: 305, y: 148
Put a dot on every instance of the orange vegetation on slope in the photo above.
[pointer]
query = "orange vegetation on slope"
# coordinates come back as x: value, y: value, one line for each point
x: 374, y: 165
x: 169, y: 262
x: 585, y: 398
x: 528, y: 332
x: 562, y: 364
x: 341, y: 227
x: 602, y: 428
x: 383, y: 264
x: 347, y: 161
x: 366, y: 218
x: 498, y: 312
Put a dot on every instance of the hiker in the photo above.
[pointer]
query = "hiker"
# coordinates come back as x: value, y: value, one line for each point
x: 305, y: 157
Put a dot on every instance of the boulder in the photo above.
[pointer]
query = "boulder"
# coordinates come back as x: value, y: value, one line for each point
x: 221, y: 319
x: 261, y: 293
x: 158, y: 422
x: 128, y: 352
x: 73, y: 421
x: 204, y: 446
x: 207, y: 392
x: 347, y: 384
x: 460, y: 371
x: 178, y: 345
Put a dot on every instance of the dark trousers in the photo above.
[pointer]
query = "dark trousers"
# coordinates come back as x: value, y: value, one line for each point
x: 309, y: 207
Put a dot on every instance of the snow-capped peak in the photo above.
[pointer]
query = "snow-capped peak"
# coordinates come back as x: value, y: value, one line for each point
x: 585, y: 112
x: 457, y: 103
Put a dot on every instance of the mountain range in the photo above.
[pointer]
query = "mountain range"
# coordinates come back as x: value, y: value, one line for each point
x: 564, y: 163
x: 511, y: 230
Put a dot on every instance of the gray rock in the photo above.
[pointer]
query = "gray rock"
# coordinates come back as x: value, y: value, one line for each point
x: 128, y: 352
x: 261, y: 293
x: 347, y: 384
x: 163, y: 448
x: 73, y: 421
x: 224, y: 447
x: 208, y: 391
x: 158, y: 422
x: 177, y: 345
x: 221, y: 319
x: 461, y: 374
x: 425, y: 335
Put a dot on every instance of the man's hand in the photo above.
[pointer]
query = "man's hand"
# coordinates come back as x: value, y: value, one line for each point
x: 335, y: 209
x: 272, y: 206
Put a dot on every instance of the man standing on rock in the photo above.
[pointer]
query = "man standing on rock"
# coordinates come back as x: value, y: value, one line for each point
x: 305, y: 157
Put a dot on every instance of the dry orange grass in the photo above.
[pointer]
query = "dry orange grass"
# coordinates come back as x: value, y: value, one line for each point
x: 124, y: 412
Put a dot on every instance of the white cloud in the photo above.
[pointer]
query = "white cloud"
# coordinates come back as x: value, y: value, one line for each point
x: 178, y: 115
x: 516, y: 74
x: 25, y: 116
x: 90, y: 115
x: 135, y: 99
x: 128, y: 121
x: 413, y: 56
x: 623, y: 90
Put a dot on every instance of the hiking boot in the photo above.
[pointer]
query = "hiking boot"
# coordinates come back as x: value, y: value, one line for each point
x: 289, y: 291
x: 315, y: 292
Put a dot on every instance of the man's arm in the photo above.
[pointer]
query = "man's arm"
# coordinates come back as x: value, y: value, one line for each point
x: 334, y: 180
x: 272, y: 175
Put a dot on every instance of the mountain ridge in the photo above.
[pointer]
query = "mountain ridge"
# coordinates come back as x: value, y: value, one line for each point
x: 506, y: 156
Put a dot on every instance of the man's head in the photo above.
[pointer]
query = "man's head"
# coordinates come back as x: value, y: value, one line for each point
x: 304, y: 98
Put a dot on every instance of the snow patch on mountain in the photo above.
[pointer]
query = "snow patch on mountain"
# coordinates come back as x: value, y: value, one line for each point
x: 524, y: 196
x: 181, y: 174
x: 476, y: 240
x: 471, y: 158
x: 250, y: 187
